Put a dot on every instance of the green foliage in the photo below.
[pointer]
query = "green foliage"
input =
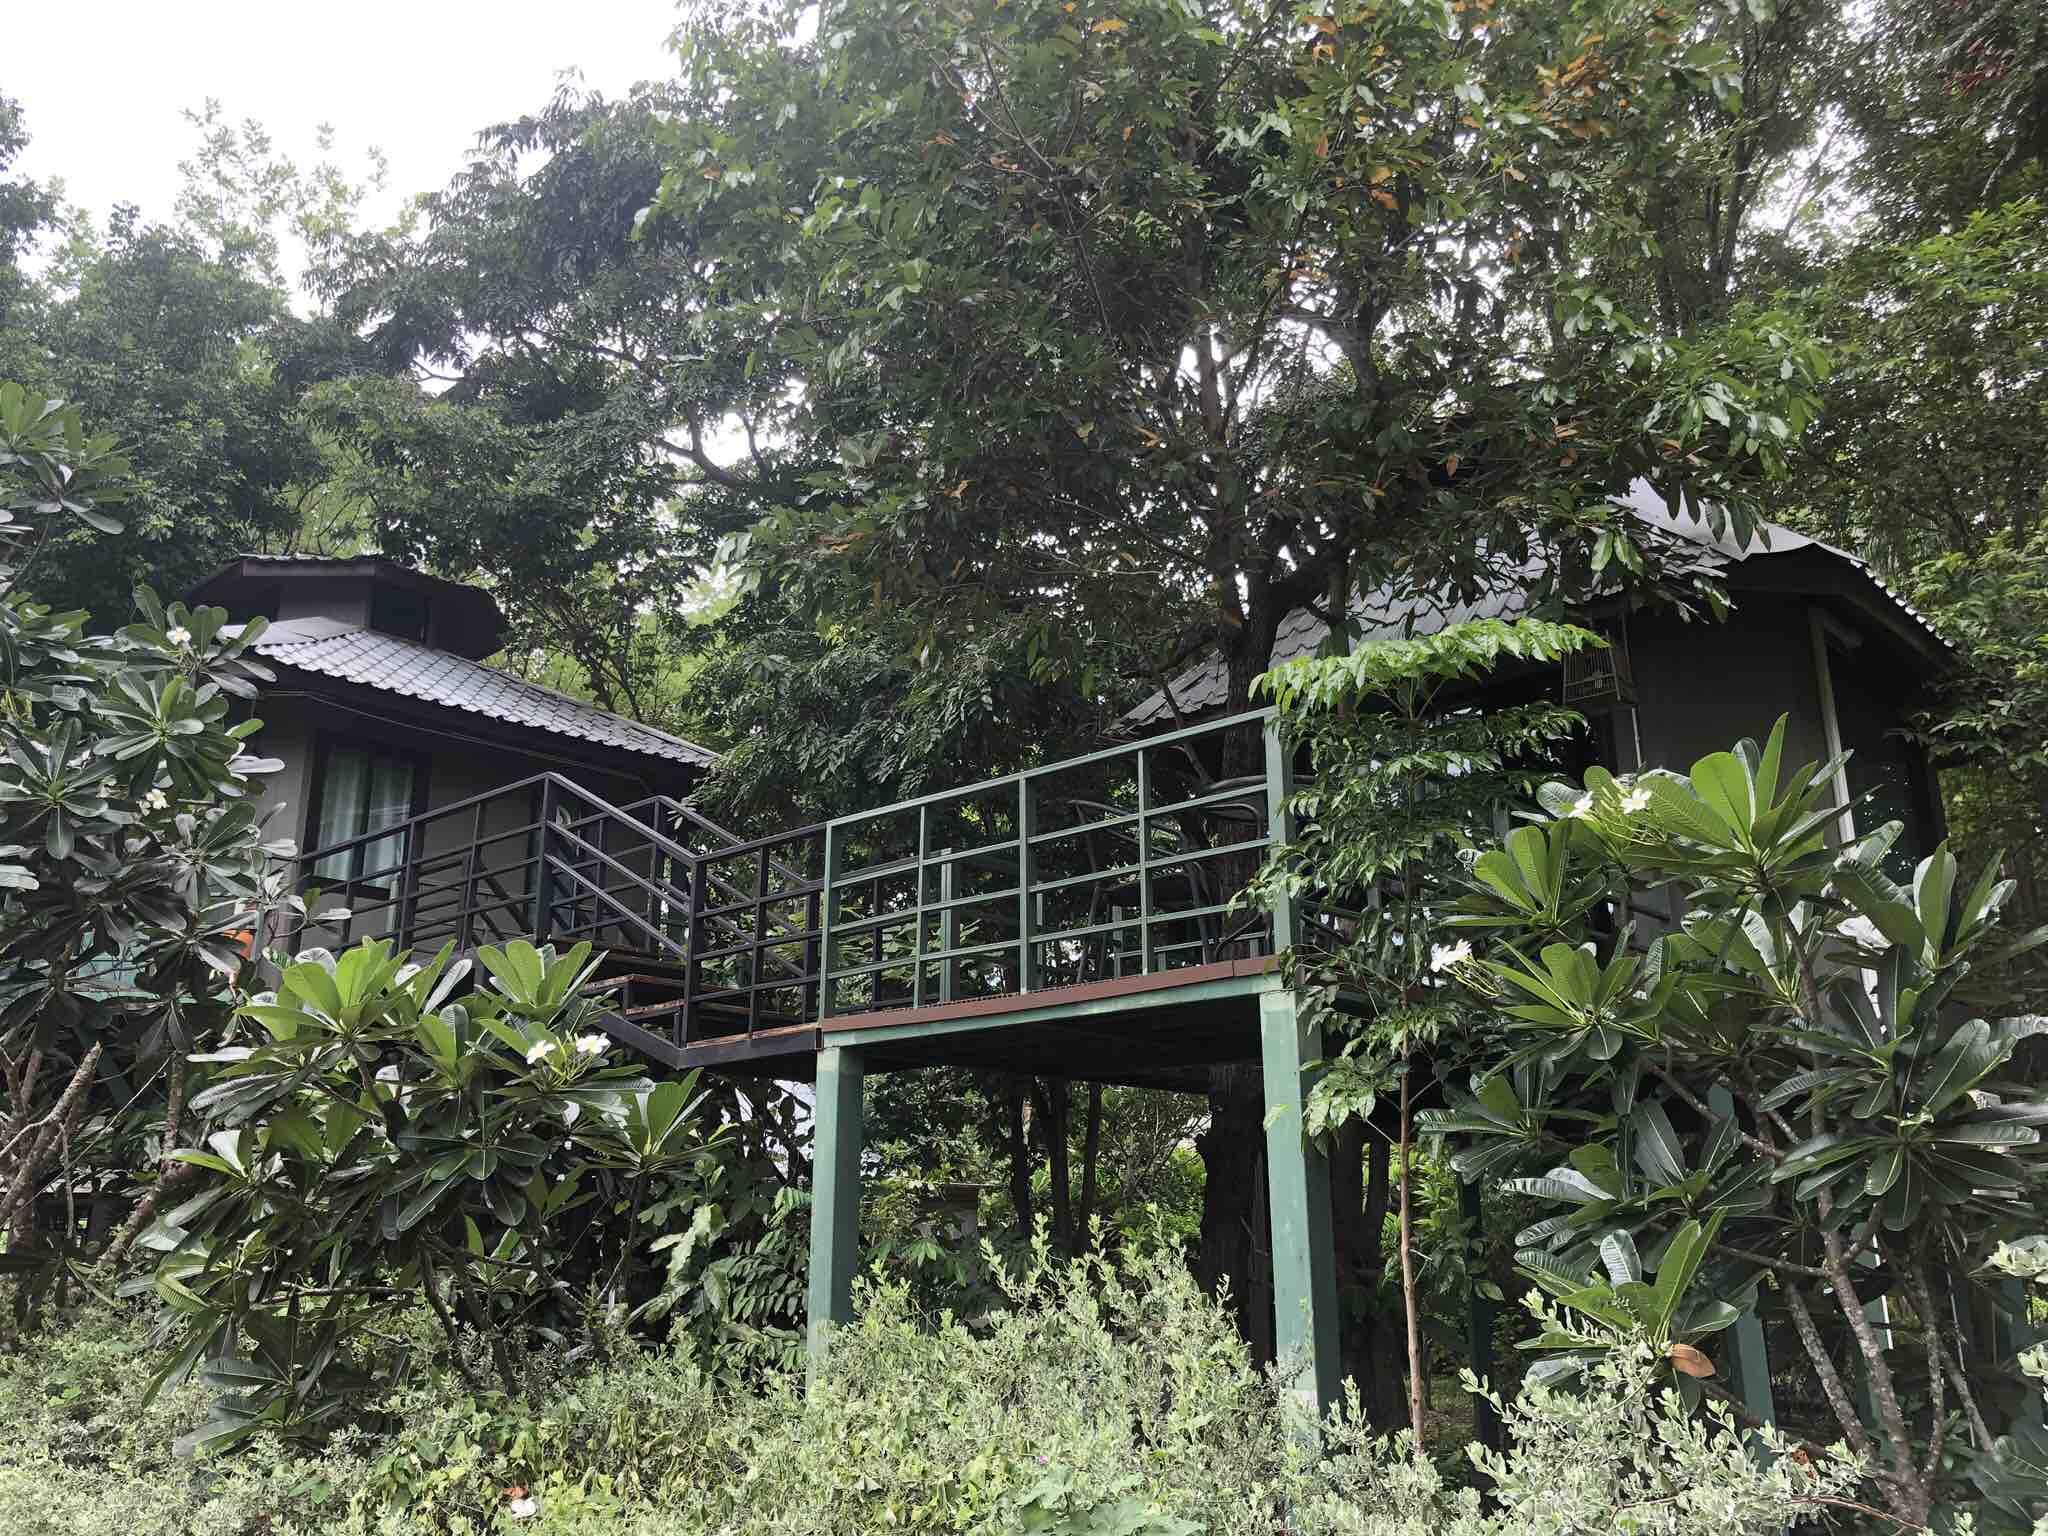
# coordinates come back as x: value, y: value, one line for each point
x: 382, y: 1137
x: 1041, y: 360
x: 1094, y: 1398
x: 1781, y: 1090
x: 179, y: 339
x: 1928, y: 462
x: 1409, y: 764
x: 131, y: 857
x: 1408, y: 767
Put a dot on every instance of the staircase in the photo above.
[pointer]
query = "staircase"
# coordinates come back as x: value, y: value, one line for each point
x: 544, y: 859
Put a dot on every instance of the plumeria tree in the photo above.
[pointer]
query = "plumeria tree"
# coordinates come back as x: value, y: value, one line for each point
x: 133, y: 867
x: 1785, y: 1097
x: 388, y: 1130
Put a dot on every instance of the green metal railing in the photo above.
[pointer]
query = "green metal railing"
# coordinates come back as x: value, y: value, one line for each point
x: 1127, y: 862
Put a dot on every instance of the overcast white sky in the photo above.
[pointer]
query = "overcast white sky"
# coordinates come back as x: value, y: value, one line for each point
x: 103, y: 85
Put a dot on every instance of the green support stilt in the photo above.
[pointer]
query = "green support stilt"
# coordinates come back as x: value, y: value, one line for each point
x: 1480, y: 1310
x: 836, y: 1146
x: 1752, y: 1365
x: 1298, y: 1185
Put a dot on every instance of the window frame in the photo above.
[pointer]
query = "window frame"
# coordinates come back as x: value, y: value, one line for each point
x: 325, y: 744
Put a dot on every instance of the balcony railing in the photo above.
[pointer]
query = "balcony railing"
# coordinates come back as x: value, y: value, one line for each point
x: 1132, y: 861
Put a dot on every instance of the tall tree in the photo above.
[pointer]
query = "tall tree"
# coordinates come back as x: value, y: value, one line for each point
x: 180, y: 338
x: 1133, y: 327
x: 26, y: 208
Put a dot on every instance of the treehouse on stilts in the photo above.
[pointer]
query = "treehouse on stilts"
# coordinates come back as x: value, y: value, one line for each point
x: 1082, y: 919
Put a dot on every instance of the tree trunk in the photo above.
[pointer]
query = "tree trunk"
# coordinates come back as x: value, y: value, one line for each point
x: 1020, y: 1161
x: 1359, y: 1185
x: 1091, y: 1147
x: 1053, y: 1098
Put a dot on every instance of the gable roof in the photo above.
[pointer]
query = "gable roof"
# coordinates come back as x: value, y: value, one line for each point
x: 1385, y: 614
x: 370, y: 658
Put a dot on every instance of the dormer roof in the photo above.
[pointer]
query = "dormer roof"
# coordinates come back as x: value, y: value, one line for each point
x: 355, y: 589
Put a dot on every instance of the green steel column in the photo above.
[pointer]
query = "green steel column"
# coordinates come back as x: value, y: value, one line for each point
x: 1752, y: 1363
x: 835, y: 1195
x: 1298, y: 1182
x: 1479, y: 1317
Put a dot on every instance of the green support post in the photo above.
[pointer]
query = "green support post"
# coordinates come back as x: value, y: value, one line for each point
x: 1752, y: 1364
x: 1479, y: 1318
x: 1298, y: 1183
x: 836, y: 1146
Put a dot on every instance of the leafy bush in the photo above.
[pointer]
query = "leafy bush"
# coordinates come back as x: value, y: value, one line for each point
x: 1102, y: 1398
x: 387, y: 1139
x: 85, y: 1456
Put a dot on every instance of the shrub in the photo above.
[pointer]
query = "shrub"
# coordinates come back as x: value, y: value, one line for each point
x: 1102, y: 1398
x: 83, y: 1455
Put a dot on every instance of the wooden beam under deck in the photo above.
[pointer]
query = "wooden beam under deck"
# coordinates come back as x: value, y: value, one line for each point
x: 1162, y: 1030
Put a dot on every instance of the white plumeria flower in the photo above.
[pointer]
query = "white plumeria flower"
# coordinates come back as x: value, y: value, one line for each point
x: 539, y: 1051
x: 591, y: 1045
x: 1637, y: 799
x: 156, y: 800
x: 1582, y: 807
x: 1861, y: 930
x: 1444, y: 957
x: 523, y: 1508
x: 180, y: 635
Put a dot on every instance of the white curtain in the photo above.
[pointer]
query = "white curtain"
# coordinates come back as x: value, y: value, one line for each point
x: 363, y: 791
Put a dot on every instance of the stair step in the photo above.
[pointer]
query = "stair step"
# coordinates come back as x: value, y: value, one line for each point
x: 633, y: 978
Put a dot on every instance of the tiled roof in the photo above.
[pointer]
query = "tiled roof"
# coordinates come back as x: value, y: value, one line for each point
x: 371, y: 659
x: 1384, y: 614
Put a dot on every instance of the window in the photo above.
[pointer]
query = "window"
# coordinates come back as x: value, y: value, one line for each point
x: 362, y: 790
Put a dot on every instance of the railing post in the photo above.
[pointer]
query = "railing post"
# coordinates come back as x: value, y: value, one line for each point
x: 472, y: 875
x: 693, y: 947
x: 825, y: 900
x: 949, y: 927
x: 1144, y: 861
x: 1027, y: 872
x: 924, y: 847
x: 408, y: 886
x: 1280, y: 829
x: 543, y: 881
x: 757, y: 958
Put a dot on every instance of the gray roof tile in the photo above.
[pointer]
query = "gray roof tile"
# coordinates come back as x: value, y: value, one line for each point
x: 371, y: 659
